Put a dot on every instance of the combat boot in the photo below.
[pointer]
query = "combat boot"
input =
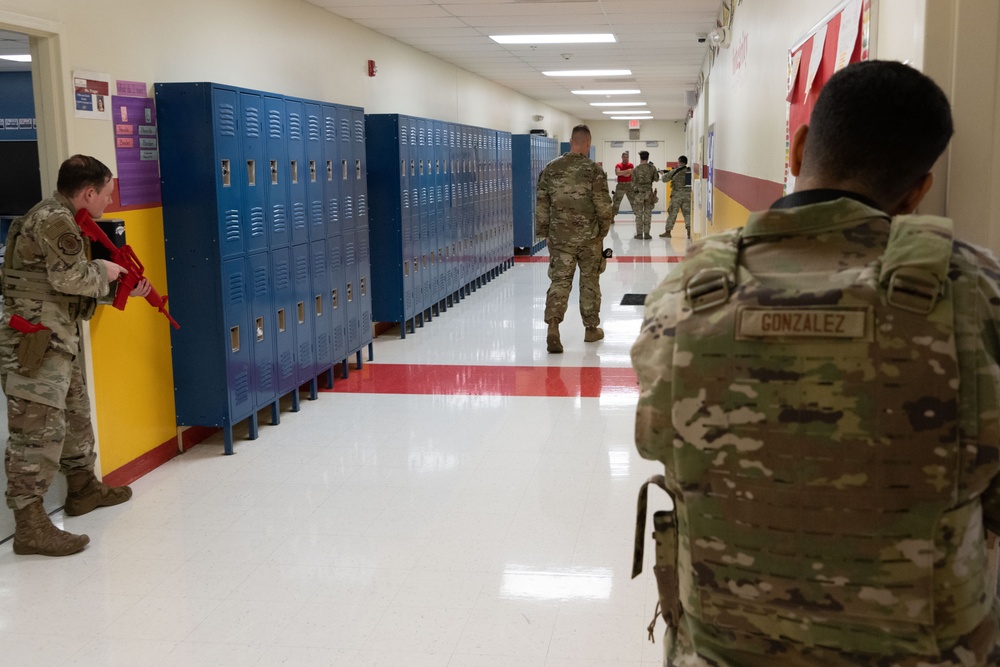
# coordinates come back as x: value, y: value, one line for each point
x: 593, y: 334
x: 667, y: 233
x: 35, y: 534
x: 87, y: 493
x: 552, y: 342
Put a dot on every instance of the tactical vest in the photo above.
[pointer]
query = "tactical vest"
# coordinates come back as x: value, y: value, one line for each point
x: 824, y: 451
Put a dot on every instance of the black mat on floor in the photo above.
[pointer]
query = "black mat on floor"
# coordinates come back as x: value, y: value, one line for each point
x: 633, y: 300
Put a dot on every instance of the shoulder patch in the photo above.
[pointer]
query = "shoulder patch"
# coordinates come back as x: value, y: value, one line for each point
x: 70, y: 244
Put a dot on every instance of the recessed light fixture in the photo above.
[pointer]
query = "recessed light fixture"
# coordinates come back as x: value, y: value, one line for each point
x: 631, y: 118
x: 17, y: 58
x: 594, y: 38
x: 620, y: 111
x: 607, y: 92
x: 590, y: 72
x: 617, y: 104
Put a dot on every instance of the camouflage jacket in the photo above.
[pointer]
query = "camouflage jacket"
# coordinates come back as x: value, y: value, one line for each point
x: 829, y: 245
x: 678, y: 178
x: 573, y: 206
x: 46, y: 275
x: 644, y: 176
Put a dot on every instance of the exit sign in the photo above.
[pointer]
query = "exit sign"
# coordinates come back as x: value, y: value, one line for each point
x: 633, y: 124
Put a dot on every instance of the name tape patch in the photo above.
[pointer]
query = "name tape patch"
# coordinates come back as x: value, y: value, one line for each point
x: 802, y: 323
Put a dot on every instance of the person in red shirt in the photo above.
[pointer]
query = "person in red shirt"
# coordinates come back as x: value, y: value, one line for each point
x: 623, y: 170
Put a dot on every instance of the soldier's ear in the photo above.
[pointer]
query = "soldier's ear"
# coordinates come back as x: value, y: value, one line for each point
x: 914, y: 196
x: 797, y: 149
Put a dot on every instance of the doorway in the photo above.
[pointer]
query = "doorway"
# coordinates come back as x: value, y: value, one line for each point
x: 612, y: 155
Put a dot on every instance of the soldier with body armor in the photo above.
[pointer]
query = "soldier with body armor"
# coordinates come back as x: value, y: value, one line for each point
x: 573, y: 215
x: 822, y: 386
x: 680, y: 196
x: 644, y: 195
x: 49, y: 288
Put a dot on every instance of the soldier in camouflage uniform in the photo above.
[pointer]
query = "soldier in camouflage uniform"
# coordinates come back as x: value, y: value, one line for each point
x: 680, y: 196
x: 48, y: 280
x: 573, y: 215
x: 643, y: 178
x: 823, y: 389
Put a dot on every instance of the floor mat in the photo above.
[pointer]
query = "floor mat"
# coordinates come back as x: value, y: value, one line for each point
x: 633, y: 300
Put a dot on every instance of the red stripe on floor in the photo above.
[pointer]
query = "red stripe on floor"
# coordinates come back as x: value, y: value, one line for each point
x: 628, y: 259
x: 557, y: 381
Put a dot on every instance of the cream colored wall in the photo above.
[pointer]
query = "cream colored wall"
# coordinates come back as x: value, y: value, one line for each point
x: 669, y: 131
x: 283, y: 46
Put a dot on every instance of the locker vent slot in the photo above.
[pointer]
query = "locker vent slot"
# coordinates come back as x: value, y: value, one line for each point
x: 314, y: 129
x: 281, y: 277
x: 241, y: 387
x: 259, y: 324
x: 359, y: 132
x: 257, y: 221
x: 330, y: 124
x: 227, y: 120
x: 350, y: 256
x: 286, y: 363
x: 281, y: 320
x: 301, y: 270
x: 348, y: 207
x: 295, y: 127
x: 251, y: 122
x: 334, y: 209
x: 233, y: 231
x: 335, y: 258
x: 260, y: 281
x: 323, y: 346
x: 299, y: 215
x: 234, y: 339
x: 319, y: 262
x: 317, y: 213
x: 345, y: 130
x: 362, y: 206
x: 274, y: 124
x: 236, y: 288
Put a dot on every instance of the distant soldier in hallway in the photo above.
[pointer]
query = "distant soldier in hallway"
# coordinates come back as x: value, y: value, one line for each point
x: 680, y: 196
x: 643, y: 194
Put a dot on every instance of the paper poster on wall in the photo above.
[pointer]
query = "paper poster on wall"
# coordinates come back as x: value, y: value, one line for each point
x: 136, y: 150
x: 849, y: 23
x: 91, y: 95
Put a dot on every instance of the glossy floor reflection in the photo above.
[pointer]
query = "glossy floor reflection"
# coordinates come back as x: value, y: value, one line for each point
x: 465, y: 500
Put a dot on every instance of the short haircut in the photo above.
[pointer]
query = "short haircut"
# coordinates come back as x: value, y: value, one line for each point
x: 80, y: 172
x: 878, y: 124
x: 580, y: 133
x: 643, y: 155
x: 683, y: 159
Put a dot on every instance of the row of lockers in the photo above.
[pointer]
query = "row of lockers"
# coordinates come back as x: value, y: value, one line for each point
x: 441, y: 211
x: 266, y: 237
x: 531, y: 152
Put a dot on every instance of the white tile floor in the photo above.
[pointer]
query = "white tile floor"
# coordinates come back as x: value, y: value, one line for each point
x: 374, y: 529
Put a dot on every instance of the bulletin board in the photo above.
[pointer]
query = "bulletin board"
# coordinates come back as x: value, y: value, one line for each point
x: 841, y: 38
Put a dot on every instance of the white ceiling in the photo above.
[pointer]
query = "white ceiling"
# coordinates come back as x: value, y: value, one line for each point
x: 656, y: 39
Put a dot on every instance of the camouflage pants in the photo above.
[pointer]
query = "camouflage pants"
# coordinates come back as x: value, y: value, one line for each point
x: 679, y: 201
x: 643, y: 208
x: 48, y: 417
x: 562, y: 266
x: 623, y: 190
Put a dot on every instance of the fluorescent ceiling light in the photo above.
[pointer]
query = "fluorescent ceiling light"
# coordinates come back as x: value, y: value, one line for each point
x: 620, y: 111
x: 596, y: 38
x: 607, y: 92
x: 589, y: 72
x: 17, y: 59
x: 617, y: 104
x: 631, y: 118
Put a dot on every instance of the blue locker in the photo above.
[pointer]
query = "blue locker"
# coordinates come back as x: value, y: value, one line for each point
x: 295, y: 170
x: 254, y: 173
x: 338, y: 282
x: 305, y: 364
x: 364, y: 295
x: 239, y: 355
x: 353, y: 311
x: 320, y: 304
x: 284, y: 329
x: 262, y: 320
x: 530, y: 153
x: 359, y: 169
x: 275, y: 172
x: 332, y: 185
x: 345, y: 120
x: 228, y: 184
x: 315, y: 172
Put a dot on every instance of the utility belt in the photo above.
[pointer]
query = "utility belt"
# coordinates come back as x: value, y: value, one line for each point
x: 665, y: 567
x: 34, y: 285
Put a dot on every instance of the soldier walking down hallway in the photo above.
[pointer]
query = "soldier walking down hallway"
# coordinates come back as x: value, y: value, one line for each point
x: 573, y: 215
x: 680, y: 196
x: 643, y: 178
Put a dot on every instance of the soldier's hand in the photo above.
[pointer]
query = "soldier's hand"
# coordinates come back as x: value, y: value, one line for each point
x: 113, y: 270
x: 142, y: 288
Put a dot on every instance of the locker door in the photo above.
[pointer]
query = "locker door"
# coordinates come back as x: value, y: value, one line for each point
x: 320, y: 305
x: 239, y: 351
x: 437, y: 218
x: 338, y: 308
x: 264, y: 381
x: 254, y: 172
x: 276, y: 171
x: 353, y: 312
x: 332, y: 187
x: 358, y: 168
x: 315, y: 172
x: 364, y: 296
x: 425, y: 179
x: 284, y: 320
x: 228, y: 170
x: 409, y: 228
x: 347, y: 180
x: 305, y: 366
x: 296, y: 170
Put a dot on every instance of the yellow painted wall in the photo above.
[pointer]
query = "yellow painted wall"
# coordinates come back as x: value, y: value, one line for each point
x: 130, y: 350
x: 727, y: 213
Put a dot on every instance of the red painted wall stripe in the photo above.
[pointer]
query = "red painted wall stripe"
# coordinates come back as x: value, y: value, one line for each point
x: 754, y: 194
x: 555, y: 381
